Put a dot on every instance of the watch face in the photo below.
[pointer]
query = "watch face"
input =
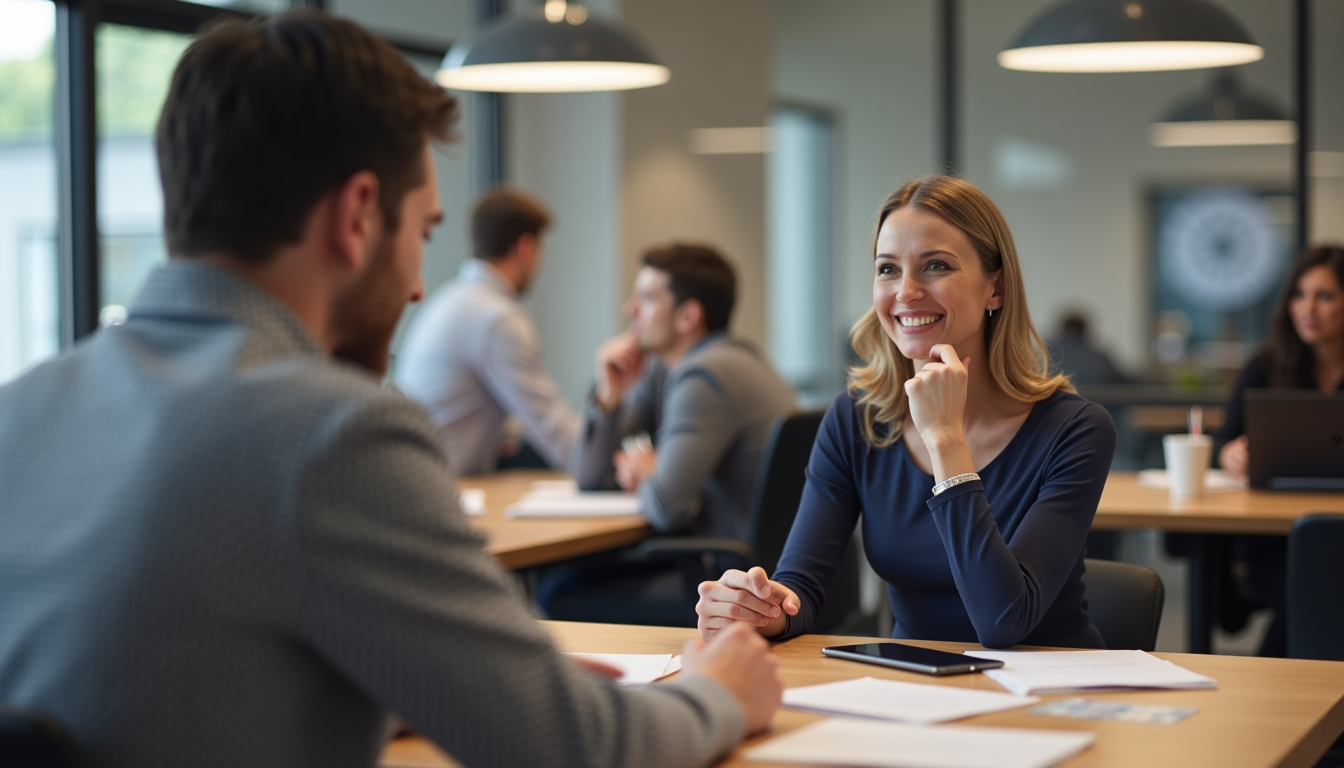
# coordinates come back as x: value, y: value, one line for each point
x: 1219, y: 250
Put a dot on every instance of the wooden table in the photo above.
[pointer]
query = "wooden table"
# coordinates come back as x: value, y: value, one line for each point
x: 1266, y: 712
x: 1127, y: 506
x: 526, y: 542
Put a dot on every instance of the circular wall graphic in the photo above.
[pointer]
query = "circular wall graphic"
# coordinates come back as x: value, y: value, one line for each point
x: 1219, y: 251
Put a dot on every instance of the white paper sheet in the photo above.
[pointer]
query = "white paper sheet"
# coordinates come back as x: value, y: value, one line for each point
x: 1214, y: 480
x: 1028, y: 672
x: 896, y: 700
x: 873, y: 744
x: 638, y: 668
x: 552, y: 503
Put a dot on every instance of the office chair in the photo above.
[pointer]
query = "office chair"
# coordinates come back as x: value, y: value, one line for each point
x: 33, y: 739
x: 667, y: 595
x: 1315, y: 600
x: 1124, y: 602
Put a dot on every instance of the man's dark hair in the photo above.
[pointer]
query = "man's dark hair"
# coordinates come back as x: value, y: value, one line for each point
x: 264, y: 117
x: 698, y: 272
x: 501, y: 216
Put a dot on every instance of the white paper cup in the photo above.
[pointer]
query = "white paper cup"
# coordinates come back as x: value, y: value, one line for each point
x: 1187, y: 458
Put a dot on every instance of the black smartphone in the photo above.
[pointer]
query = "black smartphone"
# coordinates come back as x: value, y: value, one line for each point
x: 911, y: 658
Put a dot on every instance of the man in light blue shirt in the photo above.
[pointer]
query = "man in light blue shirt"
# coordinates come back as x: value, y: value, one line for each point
x: 472, y: 356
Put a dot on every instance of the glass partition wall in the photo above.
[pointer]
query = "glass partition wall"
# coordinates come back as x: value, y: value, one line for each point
x: 29, y: 282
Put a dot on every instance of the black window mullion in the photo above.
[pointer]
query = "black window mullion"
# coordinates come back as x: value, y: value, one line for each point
x: 77, y: 169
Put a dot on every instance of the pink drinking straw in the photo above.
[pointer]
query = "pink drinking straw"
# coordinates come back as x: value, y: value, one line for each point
x: 1196, y: 420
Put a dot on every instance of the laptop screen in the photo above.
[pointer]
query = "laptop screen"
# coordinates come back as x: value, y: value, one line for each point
x: 1296, y: 439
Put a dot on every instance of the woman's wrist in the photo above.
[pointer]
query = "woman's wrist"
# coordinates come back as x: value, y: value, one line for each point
x: 776, y: 627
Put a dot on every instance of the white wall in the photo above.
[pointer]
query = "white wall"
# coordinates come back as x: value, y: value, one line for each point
x: 565, y: 148
x: 870, y: 63
x: 720, y: 57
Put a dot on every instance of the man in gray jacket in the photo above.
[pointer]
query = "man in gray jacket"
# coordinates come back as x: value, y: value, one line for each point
x: 680, y: 416
x: 224, y: 542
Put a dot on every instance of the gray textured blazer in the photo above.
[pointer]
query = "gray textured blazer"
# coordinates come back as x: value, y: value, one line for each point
x: 218, y: 547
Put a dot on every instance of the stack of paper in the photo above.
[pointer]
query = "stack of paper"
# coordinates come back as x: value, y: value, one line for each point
x: 870, y: 744
x: 637, y: 668
x: 895, y: 700
x: 560, y: 502
x: 1028, y: 672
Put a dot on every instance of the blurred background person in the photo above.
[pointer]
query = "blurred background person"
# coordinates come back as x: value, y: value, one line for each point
x: 472, y: 355
x: 1304, y: 349
x: 1073, y: 353
x: 680, y: 416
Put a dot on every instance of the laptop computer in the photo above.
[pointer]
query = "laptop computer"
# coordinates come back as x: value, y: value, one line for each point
x: 1296, y: 439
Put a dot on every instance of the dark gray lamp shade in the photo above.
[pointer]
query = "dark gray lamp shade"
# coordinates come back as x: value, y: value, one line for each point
x: 1131, y: 36
x: 1224, y: 115
x: 537, y: 55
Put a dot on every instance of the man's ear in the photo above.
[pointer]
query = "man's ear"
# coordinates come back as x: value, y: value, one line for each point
x: 525, y: 245
x: 357, y: 220
x: 689, y: 316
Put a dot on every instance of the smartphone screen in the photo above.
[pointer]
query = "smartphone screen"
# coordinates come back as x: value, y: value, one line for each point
x: 911, y: 658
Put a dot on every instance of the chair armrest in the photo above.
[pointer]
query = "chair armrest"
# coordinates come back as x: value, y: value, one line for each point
x: 693, y: 547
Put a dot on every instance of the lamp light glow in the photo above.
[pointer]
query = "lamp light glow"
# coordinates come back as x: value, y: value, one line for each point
x: 1222, y: 116
x: 1222, y: 133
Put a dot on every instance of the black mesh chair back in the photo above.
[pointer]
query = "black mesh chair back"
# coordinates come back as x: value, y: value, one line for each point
x: 33, y: 739
x: 779, y: 485
x: 779, y: 489
x: 1315, y: 595
x: 1124, y: 602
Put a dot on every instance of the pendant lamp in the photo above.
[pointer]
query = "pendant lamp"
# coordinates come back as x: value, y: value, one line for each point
x: 562, y: 48
x: 1131, y: 36
x: 1224, y: 115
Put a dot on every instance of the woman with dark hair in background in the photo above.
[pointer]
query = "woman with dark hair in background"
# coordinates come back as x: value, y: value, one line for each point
x: 1304, y: 349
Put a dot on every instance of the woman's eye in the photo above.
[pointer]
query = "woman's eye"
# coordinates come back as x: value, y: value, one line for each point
x: 885, y: 269
x: 938, y: 266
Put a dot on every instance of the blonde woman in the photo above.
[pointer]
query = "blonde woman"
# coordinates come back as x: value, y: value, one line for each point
x: 975, y: 473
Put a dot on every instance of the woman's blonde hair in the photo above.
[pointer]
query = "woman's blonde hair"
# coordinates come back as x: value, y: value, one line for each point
x: 1019, y: 364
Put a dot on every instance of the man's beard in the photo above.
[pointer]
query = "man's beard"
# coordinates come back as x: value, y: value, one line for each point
x: 365, y: 317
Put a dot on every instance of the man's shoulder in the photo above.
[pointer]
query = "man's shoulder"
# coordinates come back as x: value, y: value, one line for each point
x: 724, y: 356
x: 468, y: 299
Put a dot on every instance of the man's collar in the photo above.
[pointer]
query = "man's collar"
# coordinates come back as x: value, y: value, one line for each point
x: 481, y: 271
x: 189, y: 290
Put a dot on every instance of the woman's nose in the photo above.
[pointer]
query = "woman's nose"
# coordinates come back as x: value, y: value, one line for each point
x: 908, y: 289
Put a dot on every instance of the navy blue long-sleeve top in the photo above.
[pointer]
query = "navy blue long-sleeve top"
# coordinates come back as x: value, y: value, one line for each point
x: 999, y: 561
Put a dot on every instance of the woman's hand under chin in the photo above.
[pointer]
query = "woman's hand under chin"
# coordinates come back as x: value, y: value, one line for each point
x: 937, y: 395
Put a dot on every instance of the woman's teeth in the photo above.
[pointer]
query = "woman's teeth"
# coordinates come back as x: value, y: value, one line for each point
x: 910, y: 322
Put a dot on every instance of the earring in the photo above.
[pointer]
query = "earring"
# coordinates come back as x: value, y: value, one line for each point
x: 991, y: 313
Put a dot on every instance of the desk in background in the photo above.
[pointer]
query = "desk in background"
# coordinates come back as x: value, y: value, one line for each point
x: 528, y: 542
x: 1280, y: 713
x: 1125, y: 505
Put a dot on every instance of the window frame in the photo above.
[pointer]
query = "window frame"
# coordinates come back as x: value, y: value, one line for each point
x: 76, y: 128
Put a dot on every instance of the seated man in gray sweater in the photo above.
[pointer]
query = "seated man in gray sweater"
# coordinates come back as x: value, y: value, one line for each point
x: 680, y: 416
